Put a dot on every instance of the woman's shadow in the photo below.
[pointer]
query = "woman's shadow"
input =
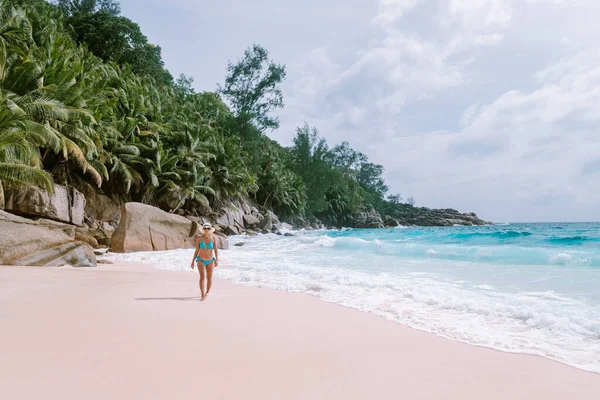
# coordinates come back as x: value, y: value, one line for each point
x: 196, y: 298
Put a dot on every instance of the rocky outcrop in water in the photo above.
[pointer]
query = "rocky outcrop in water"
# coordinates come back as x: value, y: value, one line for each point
x: 368, y: 219
x: 390, y: 222
x: 251, y: 221
x: 407, y: 215
x: 43, y: 243
x: 270, y: 223
x: 423, y: 216
x: 239, y: 217
x: 231, y: 219
x: 65, y: 204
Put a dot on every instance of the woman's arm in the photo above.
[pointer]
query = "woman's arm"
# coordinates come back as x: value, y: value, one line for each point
x: 196, y: 252
x: 216, y: 248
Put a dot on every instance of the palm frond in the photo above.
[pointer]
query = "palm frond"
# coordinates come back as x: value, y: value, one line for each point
x: 25, y: 175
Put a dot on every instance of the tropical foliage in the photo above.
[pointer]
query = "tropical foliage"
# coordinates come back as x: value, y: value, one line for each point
x: 85, y: 99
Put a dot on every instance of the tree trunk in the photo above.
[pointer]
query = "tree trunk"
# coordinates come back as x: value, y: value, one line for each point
x: 267, y: 199
x: 1, y: 196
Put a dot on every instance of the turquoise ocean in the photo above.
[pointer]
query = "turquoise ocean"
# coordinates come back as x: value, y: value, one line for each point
x: 524, y: 288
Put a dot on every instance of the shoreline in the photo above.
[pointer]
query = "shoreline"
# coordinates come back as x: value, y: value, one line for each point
x: 294, y: 276
x: 126, y: 329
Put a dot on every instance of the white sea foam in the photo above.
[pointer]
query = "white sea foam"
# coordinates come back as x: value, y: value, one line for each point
x: 410, y: 292
x: 561, y: 258
x: 324, y: 241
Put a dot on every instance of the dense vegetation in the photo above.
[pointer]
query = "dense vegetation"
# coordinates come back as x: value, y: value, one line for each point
x: 85, y: 98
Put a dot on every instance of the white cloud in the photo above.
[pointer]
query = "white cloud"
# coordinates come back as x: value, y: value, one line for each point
x: 526, y: 153
x: 392, y: 10
x: 423, y: 52
x: 539, y: 150
x: 404, y: 65
x: 479, y: 14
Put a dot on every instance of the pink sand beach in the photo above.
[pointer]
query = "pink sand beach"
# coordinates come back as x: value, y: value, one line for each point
x: 127, y: 331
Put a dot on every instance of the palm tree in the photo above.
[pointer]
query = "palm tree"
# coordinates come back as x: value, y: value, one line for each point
x: 19, y: 161
x: 229, y: 176
x: 31, y: 94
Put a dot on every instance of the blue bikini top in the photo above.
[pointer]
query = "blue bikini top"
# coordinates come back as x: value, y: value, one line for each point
x: 203, y: 245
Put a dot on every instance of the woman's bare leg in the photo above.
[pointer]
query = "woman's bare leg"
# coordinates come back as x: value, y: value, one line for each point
x: 209, y: 272
x: 202, y: 271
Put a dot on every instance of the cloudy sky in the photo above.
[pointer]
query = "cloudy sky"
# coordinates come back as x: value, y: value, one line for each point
x: 491, y: 106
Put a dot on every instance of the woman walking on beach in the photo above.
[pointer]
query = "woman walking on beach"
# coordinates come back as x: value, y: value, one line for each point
x: 205, y: 245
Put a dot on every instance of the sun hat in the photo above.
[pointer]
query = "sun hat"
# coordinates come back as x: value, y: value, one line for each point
x: 207, y: 225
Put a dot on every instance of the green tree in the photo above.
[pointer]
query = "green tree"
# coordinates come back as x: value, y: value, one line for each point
x: 346, y: 159
x: 283, y: 190
x: 112, y: 37
x: 252, y: 89
x: 229, y: 177
x: 70, y: 7
x: 40, y: 87
x: 370, y: 177
x: 183, y: 87
x: 20, y: 161
x: 394, y: 199
x: 308, y: 160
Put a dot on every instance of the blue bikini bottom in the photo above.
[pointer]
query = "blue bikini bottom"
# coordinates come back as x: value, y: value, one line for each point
x: 205, y: 262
